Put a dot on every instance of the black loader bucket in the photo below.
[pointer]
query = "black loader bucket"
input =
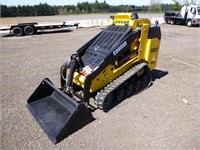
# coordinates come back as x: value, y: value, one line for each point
x: 57, y: 113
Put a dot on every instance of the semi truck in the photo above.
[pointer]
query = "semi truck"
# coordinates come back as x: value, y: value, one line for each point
x: 32, y: 28
x: 189, y: 15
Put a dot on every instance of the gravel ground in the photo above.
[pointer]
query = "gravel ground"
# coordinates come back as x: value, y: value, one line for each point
x: 56, y: 19
x: 164, y: 116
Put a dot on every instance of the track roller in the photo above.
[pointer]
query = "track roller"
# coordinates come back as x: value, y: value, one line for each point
x: 120, y: 94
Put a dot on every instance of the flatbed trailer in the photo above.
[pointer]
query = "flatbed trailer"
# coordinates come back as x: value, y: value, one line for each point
x: 32, y: 28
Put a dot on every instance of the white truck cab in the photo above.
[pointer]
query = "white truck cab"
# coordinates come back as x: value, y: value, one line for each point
x: 193, y: 15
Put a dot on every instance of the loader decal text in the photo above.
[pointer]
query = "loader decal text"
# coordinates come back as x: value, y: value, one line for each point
x: 121, y: 22
x: 117, y: 50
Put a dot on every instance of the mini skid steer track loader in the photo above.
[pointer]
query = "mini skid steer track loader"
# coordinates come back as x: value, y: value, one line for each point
x: 113, y: 65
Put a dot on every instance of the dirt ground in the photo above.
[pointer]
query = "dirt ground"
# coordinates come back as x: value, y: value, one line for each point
x: 164, y: 116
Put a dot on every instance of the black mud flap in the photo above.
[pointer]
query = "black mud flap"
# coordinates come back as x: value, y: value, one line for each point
x: 57, y: 113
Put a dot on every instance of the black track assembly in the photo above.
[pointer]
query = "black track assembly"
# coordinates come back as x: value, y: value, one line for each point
x: 131, y: 82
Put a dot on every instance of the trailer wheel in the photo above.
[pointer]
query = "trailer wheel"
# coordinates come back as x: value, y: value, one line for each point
x: 17, y: 31
x: 29, y: 30
x: 189, y: 23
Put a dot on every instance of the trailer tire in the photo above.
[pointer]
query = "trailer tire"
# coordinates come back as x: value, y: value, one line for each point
x: 17, y: 31
x: 29, y: 30
x: 189, y: 23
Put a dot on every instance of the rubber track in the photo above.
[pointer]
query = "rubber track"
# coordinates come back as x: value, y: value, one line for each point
x: 116, y: 83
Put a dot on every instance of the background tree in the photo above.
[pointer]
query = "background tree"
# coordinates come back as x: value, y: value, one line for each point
x: 155, y: 6
x: 176, y: 5
x: 44, y: 9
